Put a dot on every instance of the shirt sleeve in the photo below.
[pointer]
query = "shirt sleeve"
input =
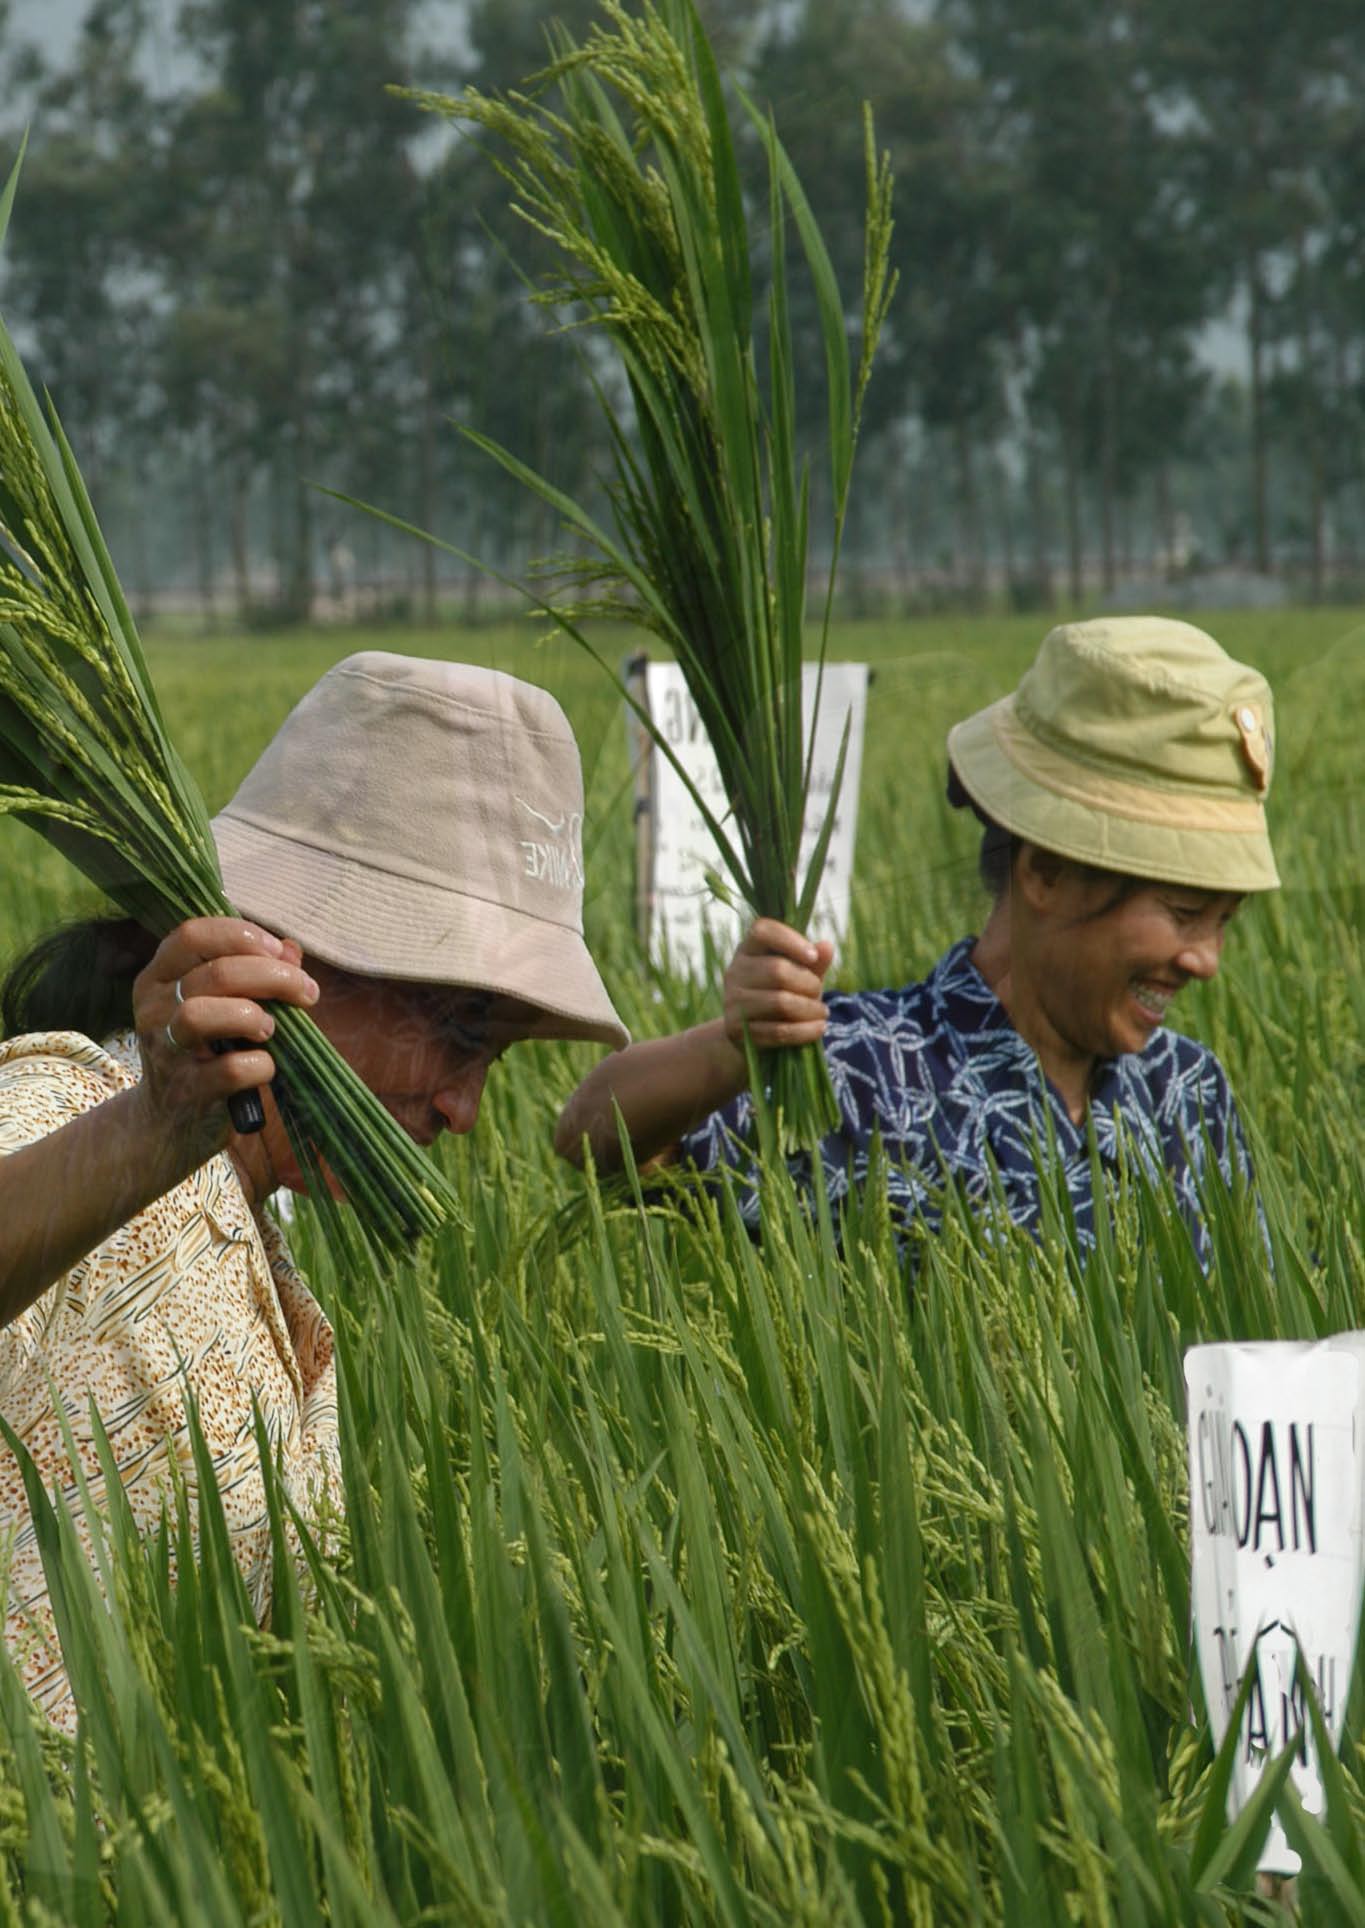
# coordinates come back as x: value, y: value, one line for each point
x: 854, y: 1058
x: 1235, y: 1160
x: 1215, y: 1141
x: 43, y: 1088
x: 721, y: 1139
x: 1222, y: 1125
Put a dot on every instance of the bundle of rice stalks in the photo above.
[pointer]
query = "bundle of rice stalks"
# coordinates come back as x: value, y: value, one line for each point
x: 85, y: 760
x: 633, y: 178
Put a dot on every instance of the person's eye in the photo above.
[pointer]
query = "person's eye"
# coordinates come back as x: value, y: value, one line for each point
x: 468, y: 1031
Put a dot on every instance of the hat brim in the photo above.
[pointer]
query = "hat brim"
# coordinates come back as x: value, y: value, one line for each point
x: 376, y: 924
x: 1167, y: 833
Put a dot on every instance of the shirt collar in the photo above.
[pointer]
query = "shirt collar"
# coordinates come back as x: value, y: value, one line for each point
x: 964, y: 1000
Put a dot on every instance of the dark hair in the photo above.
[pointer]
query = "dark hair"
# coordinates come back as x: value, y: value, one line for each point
x: 995, y: 859
x: 999, y: 848
x: 77, y: 978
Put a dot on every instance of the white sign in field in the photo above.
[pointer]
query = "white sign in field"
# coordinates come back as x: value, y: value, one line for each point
x: 676, y: 850
x: 1277, y: 1540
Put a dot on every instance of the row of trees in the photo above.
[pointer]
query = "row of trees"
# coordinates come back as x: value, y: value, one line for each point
x: 243, y: 266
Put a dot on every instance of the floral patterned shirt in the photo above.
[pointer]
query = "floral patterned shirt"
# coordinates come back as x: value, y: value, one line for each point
x: 940, y: 1072
x: 195, y: 1295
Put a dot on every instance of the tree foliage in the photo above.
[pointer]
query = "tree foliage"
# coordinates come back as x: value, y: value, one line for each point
x: 242, y: 264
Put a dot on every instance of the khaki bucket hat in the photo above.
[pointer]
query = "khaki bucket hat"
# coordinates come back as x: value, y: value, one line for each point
x: 1136, y: 744
x: 423, y: 820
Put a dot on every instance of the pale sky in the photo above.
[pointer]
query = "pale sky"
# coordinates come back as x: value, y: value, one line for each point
x: 51, y: 26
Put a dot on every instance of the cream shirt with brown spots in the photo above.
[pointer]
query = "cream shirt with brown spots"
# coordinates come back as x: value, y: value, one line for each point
x: 194, y: 1295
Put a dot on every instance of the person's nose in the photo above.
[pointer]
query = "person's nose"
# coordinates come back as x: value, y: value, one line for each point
x: 1202, y: 955
x: 458, y: 1101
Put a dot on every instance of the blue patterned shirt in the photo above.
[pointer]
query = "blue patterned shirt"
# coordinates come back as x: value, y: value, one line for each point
x: 939, y: 1070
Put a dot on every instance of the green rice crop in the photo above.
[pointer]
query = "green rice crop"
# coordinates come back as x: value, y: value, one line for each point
x: 689, y: 1580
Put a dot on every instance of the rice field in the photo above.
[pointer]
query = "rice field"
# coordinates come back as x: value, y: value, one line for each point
x: 687, y: 1580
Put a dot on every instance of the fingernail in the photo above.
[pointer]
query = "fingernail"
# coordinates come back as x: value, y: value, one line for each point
x: 273, y: 944
x: 311, y: 988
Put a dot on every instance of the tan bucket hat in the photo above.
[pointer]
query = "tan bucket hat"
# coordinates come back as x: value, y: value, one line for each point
x: 423, y: 820
x: 1136, y: 744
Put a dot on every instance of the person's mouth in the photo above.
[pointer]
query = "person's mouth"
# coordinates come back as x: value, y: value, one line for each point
x: 1153, y: 997
x: 420, y: 1121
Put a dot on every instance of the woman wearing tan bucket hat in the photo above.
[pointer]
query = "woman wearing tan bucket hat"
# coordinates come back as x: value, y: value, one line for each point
x: 1121, y: 790
x: 407, y: 858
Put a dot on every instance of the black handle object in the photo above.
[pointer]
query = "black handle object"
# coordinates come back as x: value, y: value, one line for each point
x: 245, y: 1108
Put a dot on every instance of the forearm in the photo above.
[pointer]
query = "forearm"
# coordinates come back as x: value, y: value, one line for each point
x: 664, y: 1088
x: 67, y: 1192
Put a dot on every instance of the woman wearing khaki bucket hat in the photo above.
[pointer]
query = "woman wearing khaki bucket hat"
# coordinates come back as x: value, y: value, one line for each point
x: 1121, y: 790
x: 407, y: 858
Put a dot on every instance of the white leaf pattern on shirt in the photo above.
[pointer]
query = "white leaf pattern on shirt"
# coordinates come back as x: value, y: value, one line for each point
x: 940, y: 1071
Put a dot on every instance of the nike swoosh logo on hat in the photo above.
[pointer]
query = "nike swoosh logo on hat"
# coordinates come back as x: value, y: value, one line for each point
x: 555, y: 826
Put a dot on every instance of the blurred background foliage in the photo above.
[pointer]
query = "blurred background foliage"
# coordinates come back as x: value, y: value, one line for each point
x: 1129, y: 344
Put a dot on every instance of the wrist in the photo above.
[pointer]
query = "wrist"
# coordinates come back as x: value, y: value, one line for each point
x: 727, y: 1067
x: 159, y: 1146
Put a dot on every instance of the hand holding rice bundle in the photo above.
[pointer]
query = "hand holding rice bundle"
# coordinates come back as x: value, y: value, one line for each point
x: 1121, y: 792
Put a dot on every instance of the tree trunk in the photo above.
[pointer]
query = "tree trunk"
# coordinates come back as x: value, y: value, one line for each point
x: 1125, y: 544
x: 1314, y: 425
x: 1260, y: 529
x: 374, y: 567
x: 898, y: 523
x: 301, y: 579
x: 1338, y: 410
x: 1000, y: 502
x: 1042, y: 560
x: 1108, y: 458
x: 201, y: 523
x: 473, y: 582
x: 239, y: 488
x: 969, y: 513
x: 1071, y: 464
x: 280, y: 552
x: 426, y: 483
x: 1107, y: 572
x: 142, y: 561
x: 1165, y: 521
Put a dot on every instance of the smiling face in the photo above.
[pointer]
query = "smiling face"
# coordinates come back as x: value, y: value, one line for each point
x: 1086, y: 963
x: 424, y: 1050
x: 1100, y: 961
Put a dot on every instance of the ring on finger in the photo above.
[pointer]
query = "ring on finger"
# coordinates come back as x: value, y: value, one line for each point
x: 173, y: 1041
x: 179, y: 994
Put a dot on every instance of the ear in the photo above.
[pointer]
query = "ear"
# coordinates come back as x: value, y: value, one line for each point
x: 1038, y: 876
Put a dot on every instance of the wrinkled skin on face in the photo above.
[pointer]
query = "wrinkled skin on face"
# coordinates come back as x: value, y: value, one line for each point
x: 1087, y: 965
x: 423, y: 1049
